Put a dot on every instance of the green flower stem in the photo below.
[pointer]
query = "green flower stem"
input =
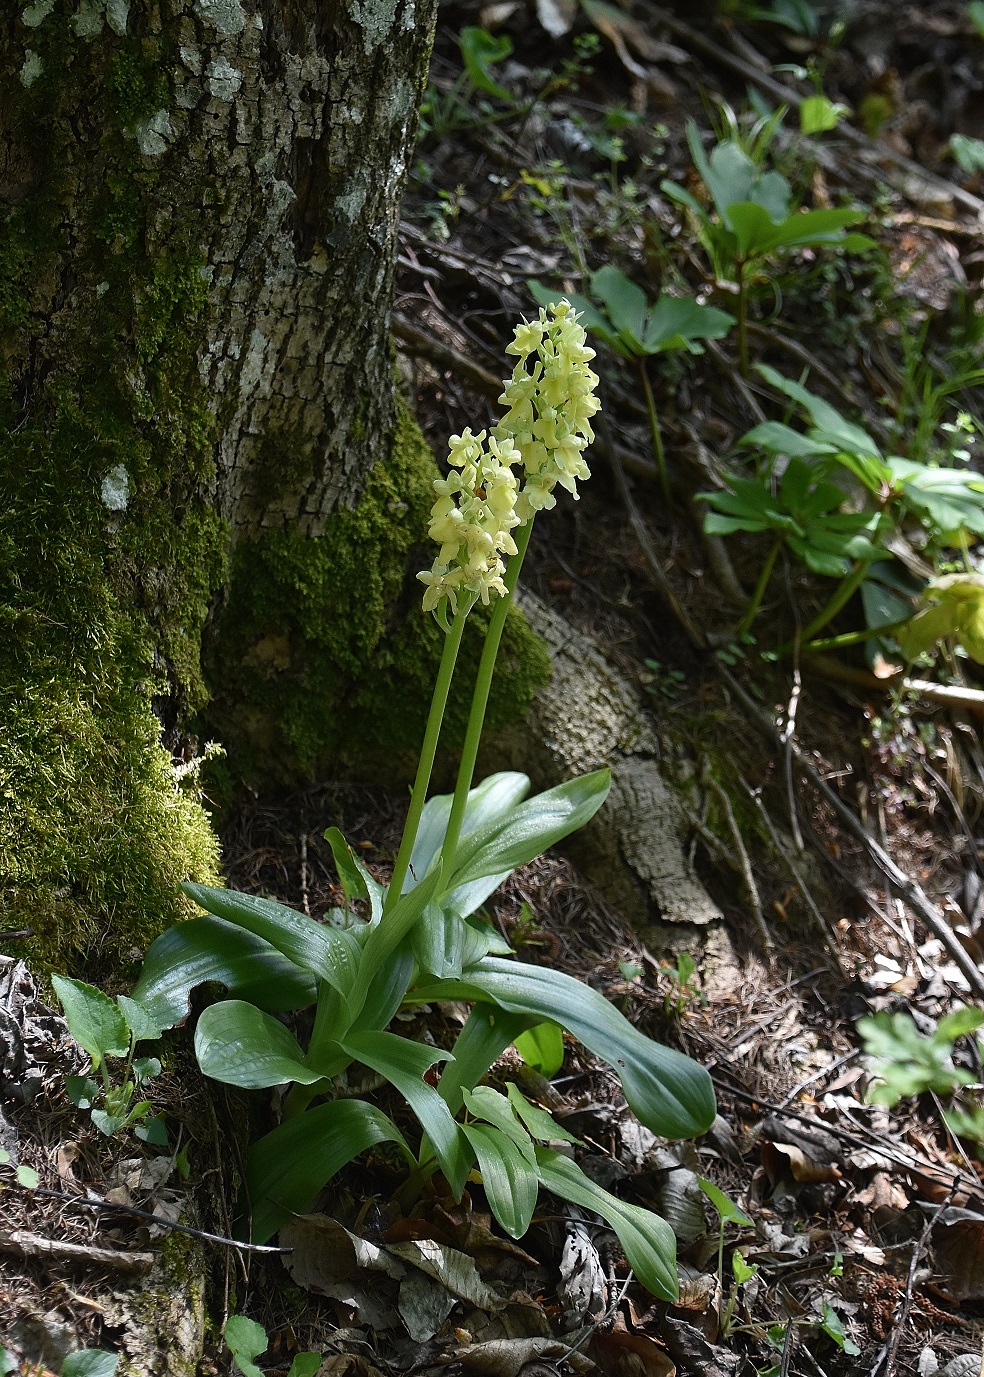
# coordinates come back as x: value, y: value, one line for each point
x: 842, y: 594
x: 755, y: 601
x: 480, y: 698
x: 853, y: 637
x: 742, y: 320
x: 657, y: 433
x: 452, y: 644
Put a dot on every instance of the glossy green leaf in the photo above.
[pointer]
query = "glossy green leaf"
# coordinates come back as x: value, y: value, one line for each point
x: 331, y: 953
x: 486, y: 1035
x: 818, y: 114
x: 668, y: 1092
x: 386, y: 992
x: 833, y: 427
x: 94, y: 1020
x: 388, y: 936
x: 541, y: 1125
x: 676, y: 320
x: 438, y: 942
x: 305, y: 1365
x: 781, y: 439
x: 485, y: 1103
x: 206, y: 949
x: 287, y: 1169
x: 542, y: 1047
x: 531, y: 828
x: 511, y: 1182
x: 239, y: 1045
x: 404, y: 1064
x: 647, y: 1240
x: 356, y: 880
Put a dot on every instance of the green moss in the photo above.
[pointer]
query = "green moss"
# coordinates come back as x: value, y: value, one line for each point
x: 102, y: 611
x: 325, y: 644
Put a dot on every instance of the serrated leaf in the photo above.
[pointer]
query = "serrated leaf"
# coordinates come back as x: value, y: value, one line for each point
x: 647, y: 1240
x: 238, y: 1044
x: 511, y: 1182
x: 142, y: 1024
x: 246, y: 1340
x: 287, y: 1169
x: 93, y: 1019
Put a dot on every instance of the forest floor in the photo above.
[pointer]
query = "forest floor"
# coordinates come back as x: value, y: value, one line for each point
x: 836, y: 796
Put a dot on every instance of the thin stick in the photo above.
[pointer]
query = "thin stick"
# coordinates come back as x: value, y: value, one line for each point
x: 23, y: 1244
x: 890, y: 1348
x: 751, y: 888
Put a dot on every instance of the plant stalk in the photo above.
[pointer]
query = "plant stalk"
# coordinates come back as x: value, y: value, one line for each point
x: 480, y: 699
x: 656, y: 431
x: 742, y: 320
x: 842, y: 594
x: 762, y: 583
x: 853, y: 637
x: 428, y: 751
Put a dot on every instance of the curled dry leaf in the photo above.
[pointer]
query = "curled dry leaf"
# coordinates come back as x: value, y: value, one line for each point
x: 506, y: 1357
x: 783, y: 1161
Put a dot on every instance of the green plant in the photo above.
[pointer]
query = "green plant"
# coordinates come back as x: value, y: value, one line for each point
x: 84, y: 1362
x: 112, y: 1028
x: 444, y: 112
x: 797, y: 15
x: 754, y: 220
x: 423, y: 940
x: 905, y: 1062
x: 246, y: 1340
x: 948, y: 503
x: 684, y: 986
x: 24, y: 1176
x: 637, y: 330
x: 728, y: 1213
x: 975, y: 13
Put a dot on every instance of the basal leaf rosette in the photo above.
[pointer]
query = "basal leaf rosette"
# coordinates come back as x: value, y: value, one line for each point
x: 550, y: 399
x: 471, y: 520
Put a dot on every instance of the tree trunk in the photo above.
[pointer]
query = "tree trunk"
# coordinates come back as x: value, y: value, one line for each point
x: 200, y: 202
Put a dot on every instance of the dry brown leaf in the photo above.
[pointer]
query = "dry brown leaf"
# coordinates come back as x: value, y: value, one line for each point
x: 958, y: 1243
x: 784, y: 1160
x: 505, y: 1357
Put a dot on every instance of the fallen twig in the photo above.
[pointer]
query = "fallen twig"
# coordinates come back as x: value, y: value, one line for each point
x: 890, y: 1348
x: 23, y: 1244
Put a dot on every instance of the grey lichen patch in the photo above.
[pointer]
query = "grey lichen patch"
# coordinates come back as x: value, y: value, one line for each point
x: 31, y: 69
x: 154, y: 134
x: 37, y: 13
x: 223, y: 80
x: 192, y: 59
x: 89, y: 18
x: 117, y: 15
x: 115, y: 490
x: 375, y: 18
x: 227, y: 16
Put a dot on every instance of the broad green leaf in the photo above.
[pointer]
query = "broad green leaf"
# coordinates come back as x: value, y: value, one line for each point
x: 647, y: 1240
x: 93, y: 1019
x: 818, y: 114
x: 239, y: 1045
x: 287, y: 1169
x: 27, y: 1177
x: 531, y: 828
x: 139, y: 1020
x: 833, y: 1326
x: 485, y: 1103
x: 671, y: 1094
x: 753, y: 229
x: 332, y: 953
x: 511, y: 1182
x: 833, y: 428
x: 816, y: 227
x: 489, y: 803
x: 438, y: 942
x: 90, y: 1362
x: 956, y: 1024
x: 205, y: 949
x: 246, y: 1340
x: 589, y: 315
x: 356, y: 879
x: 486, y: 1035
x: 404, y: 1064
x: 541, y: 1125
x: 730, y: 1212
x: 305, y: 1365
x: 542, y: 1047
x: 968, y: 153
x: 777, y: 438
x: 675, y: 320
x: 479, y: 50
x: 624, y: 301
x: 388, y: 936
x: 715, y: 524
x: 386, y: 991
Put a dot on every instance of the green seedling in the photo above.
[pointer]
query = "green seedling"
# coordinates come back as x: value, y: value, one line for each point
x: 246, y: 1340
x: 728, y: 1213
x: 905, y: 1062
x: 833, y: 1326
x: 754, y: 220
x: 24, y: 1176
x: 683, y: 985
x: 638, y: 329
x: 818, y: 114
x: 424, y: 940
x: 84, y: 1362
x: 112, y: 1028
x: 443, y: 113
x: 968, y: 153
